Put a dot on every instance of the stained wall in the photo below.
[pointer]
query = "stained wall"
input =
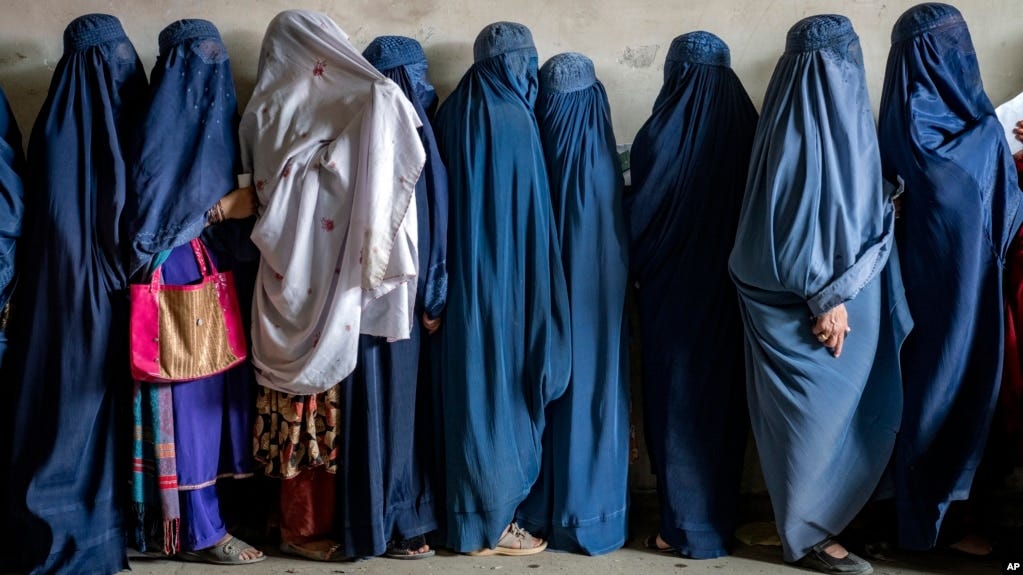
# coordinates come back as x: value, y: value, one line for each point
x: 627, y: 39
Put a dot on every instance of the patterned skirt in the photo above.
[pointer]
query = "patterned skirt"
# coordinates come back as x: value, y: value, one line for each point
x: 296, y: 432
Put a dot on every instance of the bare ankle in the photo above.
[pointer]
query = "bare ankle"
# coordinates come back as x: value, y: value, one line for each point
x: 836, y: 550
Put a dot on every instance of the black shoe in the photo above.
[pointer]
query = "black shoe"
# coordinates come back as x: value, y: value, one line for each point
x: 819, y: 560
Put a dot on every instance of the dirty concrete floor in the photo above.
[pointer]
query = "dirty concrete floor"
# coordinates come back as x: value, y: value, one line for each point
x: 633, y: 560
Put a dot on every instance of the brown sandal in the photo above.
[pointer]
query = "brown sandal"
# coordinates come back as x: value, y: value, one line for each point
x: 332, y: 553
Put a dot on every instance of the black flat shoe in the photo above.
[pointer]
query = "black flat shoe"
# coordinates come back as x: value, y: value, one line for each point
x: 819, y: 560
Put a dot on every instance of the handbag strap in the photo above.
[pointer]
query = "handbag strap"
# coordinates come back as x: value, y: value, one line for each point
x: 202, y: 258
x: 154, y: 284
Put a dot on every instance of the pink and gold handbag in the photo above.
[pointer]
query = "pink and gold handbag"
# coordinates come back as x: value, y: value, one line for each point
x: 181, y: 333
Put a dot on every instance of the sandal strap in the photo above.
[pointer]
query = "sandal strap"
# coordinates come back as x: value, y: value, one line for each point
x: 519, y: 535
x: 328, y: 554
x: 410, y: 544
x: 230, y: 550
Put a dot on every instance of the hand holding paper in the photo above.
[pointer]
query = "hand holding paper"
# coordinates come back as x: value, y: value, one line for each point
x: 1009, y: 115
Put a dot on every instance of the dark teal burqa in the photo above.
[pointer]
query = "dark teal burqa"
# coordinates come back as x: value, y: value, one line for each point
x: 816, y: 231
x: 961, y: 210
x: 67, y: 366
x: 505, y: 342
x: 689, y: 164
x: 579, y: 503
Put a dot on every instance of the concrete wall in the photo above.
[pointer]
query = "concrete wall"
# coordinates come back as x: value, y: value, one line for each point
x: 627, y: 39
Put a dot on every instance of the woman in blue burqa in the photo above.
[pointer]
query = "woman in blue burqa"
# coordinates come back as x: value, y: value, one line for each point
x: 12, y: 207
x: 689, y: 164
x: 960, y: 212
x: 505, y: 342
x: 384, y: 498
x: 820, y: 295
x: 189, y: 434
x: 580, y: 501
x: 67, y: 365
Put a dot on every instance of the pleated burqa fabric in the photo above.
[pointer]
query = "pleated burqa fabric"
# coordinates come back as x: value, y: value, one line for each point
x: 689, y: 164
x: 385, y: 488
x: 12, y: 208
x: 961, y: 211
x: 187, y: 160
x: 816, y: 231
x: 505, y: 341
x: 67, y: 366
x: 580, y: 501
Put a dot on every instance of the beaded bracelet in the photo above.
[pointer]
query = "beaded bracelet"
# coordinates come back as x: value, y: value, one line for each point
x: 215, y: 215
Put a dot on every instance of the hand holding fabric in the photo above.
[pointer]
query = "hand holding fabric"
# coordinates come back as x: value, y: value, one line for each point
x: 832, y: 327
x: 431, y: 324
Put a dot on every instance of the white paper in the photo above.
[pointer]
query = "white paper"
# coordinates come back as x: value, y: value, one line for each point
x: 625, y: 159
x: 1008, y: 114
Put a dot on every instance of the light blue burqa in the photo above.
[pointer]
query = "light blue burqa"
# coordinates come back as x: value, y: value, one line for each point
x: 815, y: 232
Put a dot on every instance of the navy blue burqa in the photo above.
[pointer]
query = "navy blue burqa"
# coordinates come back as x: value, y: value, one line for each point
x: 67, y: 366
x: 12, y: 207
x: 815, y: 232
x: 961, y: 209
x: 580, y: 501
x: 689, y: 164
x: 505, y: 342
x: 385, y: 487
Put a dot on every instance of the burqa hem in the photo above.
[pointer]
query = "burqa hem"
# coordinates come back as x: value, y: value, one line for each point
x: 474, y: 530
x: 593, y: 536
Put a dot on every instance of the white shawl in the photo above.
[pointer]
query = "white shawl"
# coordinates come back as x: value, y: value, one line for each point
x: 335, y: 154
